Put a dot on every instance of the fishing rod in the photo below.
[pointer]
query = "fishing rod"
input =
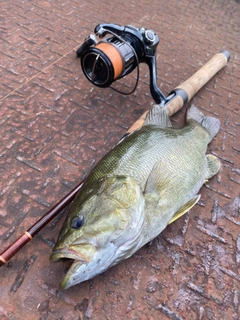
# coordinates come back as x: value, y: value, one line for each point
x: 172, y: 103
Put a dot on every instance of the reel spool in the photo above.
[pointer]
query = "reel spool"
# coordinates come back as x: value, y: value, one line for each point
x: 107, y: 62
x: 115, y: 57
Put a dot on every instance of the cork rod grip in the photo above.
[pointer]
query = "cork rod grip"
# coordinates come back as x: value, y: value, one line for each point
x: 186, y: 91
x: 204, y: 74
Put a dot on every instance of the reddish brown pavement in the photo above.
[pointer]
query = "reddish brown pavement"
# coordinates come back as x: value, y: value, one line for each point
x: 54, y: 126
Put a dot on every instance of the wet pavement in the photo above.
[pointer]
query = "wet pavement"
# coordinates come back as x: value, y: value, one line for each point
x: 54, y: 126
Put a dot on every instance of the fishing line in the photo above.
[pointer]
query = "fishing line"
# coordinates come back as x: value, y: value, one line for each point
x: 137, y: 61
x: 40, y: 72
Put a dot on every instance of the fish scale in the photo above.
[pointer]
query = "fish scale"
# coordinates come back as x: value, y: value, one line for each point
x: 147, y: 181
x: 165, y: 148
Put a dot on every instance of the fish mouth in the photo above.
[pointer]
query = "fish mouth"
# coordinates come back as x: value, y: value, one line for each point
x: 60, y: 254
x: 72, y: 255
x: 81, y: 271
x: 69, y: 278
x: 87, y: 262
x: 83, y: 252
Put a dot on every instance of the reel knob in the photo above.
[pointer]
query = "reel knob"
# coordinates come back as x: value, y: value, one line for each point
x: 149, y: 36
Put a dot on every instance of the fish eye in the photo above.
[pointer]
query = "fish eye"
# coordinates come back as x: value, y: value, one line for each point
x: 77, y: 222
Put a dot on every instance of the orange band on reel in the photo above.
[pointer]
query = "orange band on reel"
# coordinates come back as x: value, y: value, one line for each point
x: 115, y: 57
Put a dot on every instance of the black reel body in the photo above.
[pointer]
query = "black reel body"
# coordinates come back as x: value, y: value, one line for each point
x: 114, y: 57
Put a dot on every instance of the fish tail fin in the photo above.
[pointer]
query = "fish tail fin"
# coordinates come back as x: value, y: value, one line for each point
x: 212, y: 125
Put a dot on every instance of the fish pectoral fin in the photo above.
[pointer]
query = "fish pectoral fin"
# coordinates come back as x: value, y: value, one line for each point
x: 158, y: 116
x: 213, y: 166
x: 185, y: 208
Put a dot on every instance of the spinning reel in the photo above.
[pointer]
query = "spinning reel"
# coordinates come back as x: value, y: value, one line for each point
x: 118, y: 55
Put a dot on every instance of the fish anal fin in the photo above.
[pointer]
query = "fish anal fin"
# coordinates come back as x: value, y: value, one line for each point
x: 213, y: 166
x: 158, y: 116
x: 185, y: 208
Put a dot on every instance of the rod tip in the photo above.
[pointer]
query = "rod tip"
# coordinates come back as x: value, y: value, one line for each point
x: 227, y: 54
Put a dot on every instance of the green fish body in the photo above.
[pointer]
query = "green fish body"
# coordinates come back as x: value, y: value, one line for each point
x: 147, y: 181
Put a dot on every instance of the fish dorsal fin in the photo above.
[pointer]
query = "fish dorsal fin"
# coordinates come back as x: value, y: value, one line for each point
x: 212, y: 125
x: 185, y: 208
x: 157, y: 116
x: 213, y: 166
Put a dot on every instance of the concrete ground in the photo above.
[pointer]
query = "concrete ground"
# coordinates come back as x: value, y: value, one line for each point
x: 54, y: 126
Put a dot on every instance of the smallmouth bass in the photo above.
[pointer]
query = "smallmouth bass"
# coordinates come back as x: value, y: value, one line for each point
x: 147, y: 181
